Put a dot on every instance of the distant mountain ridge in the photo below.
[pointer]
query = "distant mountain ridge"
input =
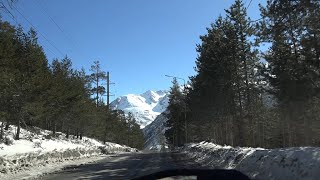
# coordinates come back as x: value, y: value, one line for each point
x: 154, y: 133
x: 145, y: 107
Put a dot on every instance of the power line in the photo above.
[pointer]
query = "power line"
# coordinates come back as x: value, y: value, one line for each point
x: 2, y: 5
x: 249, y: 4
x: 17, y: 23
x: 44, y: 11
x: 256, y: 19
x: 51, y: 19
x: 38, y: 31
x: 11, y: 15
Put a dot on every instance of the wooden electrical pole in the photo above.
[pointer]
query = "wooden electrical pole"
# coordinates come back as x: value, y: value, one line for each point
x: 108, y: 89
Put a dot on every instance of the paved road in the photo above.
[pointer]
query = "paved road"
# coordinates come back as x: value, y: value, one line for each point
x: 124, y: 166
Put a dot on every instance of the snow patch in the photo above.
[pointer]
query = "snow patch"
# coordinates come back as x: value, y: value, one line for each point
x: 39, y: 148
x: 258, y: 163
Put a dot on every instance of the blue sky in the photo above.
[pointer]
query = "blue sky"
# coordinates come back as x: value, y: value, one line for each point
x: 138, y: 41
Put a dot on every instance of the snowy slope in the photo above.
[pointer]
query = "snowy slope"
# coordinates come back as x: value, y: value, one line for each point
x: 154, y: 133
x: 257, y: 163
x: 38, y: 148
x: 144, y: 107
x: 148, y: 109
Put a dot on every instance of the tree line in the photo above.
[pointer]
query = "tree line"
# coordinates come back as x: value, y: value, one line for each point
x: 244, y: 96
x: 55, y: 96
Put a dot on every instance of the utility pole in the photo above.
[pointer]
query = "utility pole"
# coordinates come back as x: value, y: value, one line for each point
x: 97, y: 88
x: 108, y: 102
x: 108, y: 89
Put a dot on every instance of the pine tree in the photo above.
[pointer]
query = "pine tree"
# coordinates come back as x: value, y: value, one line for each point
x: 223, y: 93
x: 59, y: 96
x: 97, y: 77
x: 211, y: 87
x: 175, y: 123
x: 294, y: 68
x: 135, y: 136
x: 8, y: 46
x: 55, y: 97
x: 245, y: 60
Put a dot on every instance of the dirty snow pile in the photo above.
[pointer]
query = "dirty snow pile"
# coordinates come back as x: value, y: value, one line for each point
x: 287, y: 163
x: 38, y: 148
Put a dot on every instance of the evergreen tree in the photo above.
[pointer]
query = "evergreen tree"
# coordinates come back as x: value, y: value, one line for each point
x: 97, y: 77
x: 55, y: 97
x: 175, y: 123
x: 8, y: 46
x: 293, y: 71
x: 245, y: 59
x: 223, y: 93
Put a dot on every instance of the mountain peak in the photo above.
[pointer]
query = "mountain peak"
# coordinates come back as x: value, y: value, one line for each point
x: 144, y: 107
x: 151, y: 97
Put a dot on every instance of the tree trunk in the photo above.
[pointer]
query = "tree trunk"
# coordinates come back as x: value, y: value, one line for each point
x: 49, y: 127
x: 283, y: 134
x: 67, y: 135
x: 173, y: 139
x: 97, y: 90
x: 7, y: 126
x: 226, y: 132
x: 18, y: 131
x: 77, y: 133
x: 25, y: 124
x: 1, y: 133
x: 54, y: 127
x: 62, y: 125
x: 231, y: 131
x: 104, y: 137
x: 252, y: 131
x: 289, y: 135
x: 239, y: 121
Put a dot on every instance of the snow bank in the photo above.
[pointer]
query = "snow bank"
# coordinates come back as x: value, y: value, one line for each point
x: 287, y: 163
x: 39, y: 148
x: 37, y: 171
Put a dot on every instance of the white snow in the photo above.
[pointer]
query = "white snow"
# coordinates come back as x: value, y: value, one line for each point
x: 258, y: 163
x: 39, y: 149
x: 144, y: 107
x: 148, y: 108
x: 38, y: 171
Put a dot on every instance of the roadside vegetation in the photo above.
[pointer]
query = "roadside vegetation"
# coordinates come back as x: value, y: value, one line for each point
x: 243, y: 95
x: 55, y: 96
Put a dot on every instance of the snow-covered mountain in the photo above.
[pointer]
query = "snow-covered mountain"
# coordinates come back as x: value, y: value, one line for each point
x: 154, y: 133
x: 145, y: 107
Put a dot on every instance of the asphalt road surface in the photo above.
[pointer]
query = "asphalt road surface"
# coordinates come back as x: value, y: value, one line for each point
x: 125, y: 166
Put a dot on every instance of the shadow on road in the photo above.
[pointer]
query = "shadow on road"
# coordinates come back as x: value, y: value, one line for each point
x: 124, y: 166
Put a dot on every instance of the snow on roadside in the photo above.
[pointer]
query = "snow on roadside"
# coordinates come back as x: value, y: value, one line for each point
x: 258, y: 163
x: 38, y: 171
x: 38, y: 148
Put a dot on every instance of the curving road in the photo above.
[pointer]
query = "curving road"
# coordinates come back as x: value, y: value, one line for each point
x: 125, y: 166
